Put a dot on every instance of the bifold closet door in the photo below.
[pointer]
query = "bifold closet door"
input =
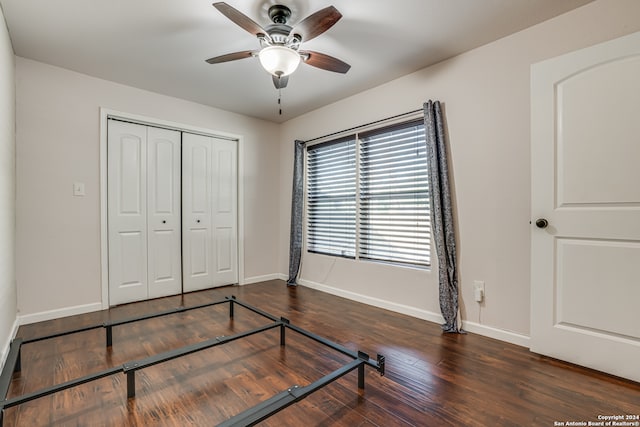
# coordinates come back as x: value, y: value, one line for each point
x: 164, y: 259
x: 143, y: 191
x: 209, y: 209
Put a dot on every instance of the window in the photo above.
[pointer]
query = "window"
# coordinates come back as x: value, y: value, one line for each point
x: 331, y: 198
x: 368, y: 194
x: 394, y: 198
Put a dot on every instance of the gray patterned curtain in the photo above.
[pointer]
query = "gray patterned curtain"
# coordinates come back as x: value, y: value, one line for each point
x: 295, y: 241
x: 442, y: 216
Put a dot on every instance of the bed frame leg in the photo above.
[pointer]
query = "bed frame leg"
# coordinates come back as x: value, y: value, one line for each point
x: 18, y: 365
x: 109, y: 335
x: 381, y: 365
x: 131, y: 384
x: 364, y: 357
x: 231, y: 307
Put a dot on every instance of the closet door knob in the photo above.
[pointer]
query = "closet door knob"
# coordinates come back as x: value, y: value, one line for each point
x: 164, y: 221
x: 198, y: 221
x: 542, y: 223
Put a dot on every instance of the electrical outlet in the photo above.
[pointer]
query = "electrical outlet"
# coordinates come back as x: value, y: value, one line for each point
x: 478, y: 290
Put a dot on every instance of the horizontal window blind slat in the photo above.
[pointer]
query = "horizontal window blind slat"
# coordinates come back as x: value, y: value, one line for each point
x: 407, y: 243
x: 327, y: 251
x: 394, y: 199
x: 397, y: 229
x: 425, y: 262
x: 394, y: 186
x: 397, y: 256
x: 329, y: 229
x: 382, y: 253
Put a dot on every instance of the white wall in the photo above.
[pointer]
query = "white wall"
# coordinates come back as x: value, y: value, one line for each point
x: 7, y: 191
x: 58, y: 141
x: 486, y: 102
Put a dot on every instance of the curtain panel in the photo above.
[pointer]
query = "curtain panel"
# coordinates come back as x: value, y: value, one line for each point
x: 297, y: 205
x: 442, y: 216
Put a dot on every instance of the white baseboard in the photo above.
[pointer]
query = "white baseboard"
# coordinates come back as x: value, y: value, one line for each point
x: 5, y: 347
x: 476, y: 328
x: 266, y: 277
x: 58, y: 313
x: 14, y: 331
x: 498, y: 334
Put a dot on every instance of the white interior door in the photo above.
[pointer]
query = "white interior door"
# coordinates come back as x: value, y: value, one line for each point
x: 127, y: 212
x: 163, y: 212
x: 585, y: 281
x: 209, y: 192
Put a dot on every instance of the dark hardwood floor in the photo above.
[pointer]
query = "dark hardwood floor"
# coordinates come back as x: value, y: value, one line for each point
x: 432, y: 379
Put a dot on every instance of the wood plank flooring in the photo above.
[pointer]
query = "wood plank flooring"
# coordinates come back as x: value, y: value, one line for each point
x: 432, y: 379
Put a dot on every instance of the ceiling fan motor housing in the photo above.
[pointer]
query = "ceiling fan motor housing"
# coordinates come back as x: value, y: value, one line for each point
x: 279, y: 14
x: 279, y: 31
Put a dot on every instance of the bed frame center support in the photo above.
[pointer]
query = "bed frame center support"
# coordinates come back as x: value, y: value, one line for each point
x: 283, y: 327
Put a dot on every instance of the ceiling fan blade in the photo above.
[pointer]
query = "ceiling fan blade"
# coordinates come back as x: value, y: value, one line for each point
x: 316, y: 23
x: 239, y: 18
x: 231, y: 57
x: 280, y: 82
x: 326, y: 62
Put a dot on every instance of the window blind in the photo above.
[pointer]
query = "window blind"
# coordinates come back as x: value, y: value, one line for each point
x: 331, y: 198
x: 394, y: 195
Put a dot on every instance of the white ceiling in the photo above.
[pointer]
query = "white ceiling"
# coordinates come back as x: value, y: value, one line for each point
x: 161, y: 45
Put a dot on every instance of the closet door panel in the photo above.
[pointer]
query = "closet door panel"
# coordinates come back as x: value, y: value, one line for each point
x: 198, y: 247
x: 127, y: 212
x: 164, y: 216
x: 196, y: 212
x: 224, y: 211
x: 224, y: 248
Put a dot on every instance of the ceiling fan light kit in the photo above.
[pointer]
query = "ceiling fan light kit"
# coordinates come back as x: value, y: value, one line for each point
x: 279, y: 61
x: 279, y: 41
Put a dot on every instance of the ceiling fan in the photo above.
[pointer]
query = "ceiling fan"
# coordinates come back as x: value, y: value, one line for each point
x: 279, y: 51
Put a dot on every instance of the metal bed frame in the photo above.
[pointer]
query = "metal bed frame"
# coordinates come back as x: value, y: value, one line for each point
x: 248, y: 417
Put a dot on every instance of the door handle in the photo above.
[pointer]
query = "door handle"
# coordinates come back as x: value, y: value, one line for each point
x: 542, y: 223
x: 198, y: 221
x: 164, y: 221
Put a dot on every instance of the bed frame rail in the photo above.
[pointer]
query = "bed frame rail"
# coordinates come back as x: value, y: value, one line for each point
x: 250, y: 416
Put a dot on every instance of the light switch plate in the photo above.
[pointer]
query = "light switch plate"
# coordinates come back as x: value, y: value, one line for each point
x: 78, y: 189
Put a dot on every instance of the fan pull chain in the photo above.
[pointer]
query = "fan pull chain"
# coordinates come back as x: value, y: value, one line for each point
x: 280, y: 99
